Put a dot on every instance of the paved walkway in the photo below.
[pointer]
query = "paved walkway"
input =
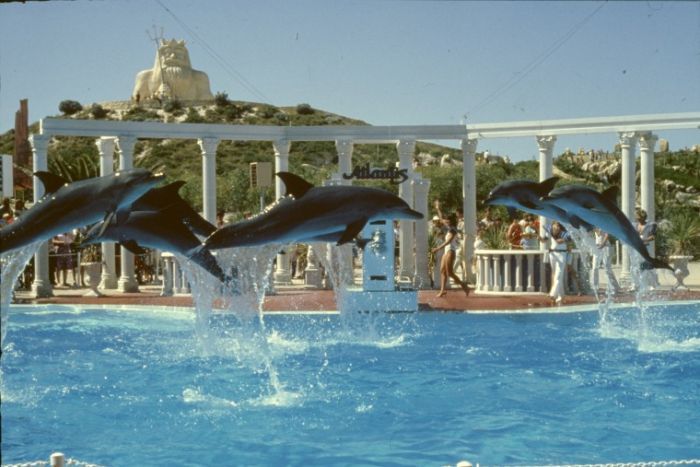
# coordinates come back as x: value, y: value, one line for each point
x: 299, y: 298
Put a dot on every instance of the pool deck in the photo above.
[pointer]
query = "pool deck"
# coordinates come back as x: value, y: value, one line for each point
x: 299, y: 298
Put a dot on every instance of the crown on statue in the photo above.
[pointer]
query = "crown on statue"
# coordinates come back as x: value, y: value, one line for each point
x: 172, y: 43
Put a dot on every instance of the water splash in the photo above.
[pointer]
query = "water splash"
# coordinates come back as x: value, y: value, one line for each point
x: 241, y: 296
x: 647, y: 329
x: 12, y: 263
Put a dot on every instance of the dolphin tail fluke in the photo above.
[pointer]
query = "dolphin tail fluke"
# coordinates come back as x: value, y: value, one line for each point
x: 655, y: 263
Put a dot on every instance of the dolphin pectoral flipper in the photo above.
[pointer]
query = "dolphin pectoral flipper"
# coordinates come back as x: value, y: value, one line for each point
x: 296, y: 186
x: 51, y: 182
x: 351, y: 231
x: 577, y: 223
x: 530, y: 205
x: 105, y: 223
x: 132, y: 246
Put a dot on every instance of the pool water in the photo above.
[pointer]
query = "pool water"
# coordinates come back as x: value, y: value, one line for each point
x: 138, y: 387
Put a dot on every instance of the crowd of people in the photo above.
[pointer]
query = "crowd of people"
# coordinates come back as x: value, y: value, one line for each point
x: 523, y: 233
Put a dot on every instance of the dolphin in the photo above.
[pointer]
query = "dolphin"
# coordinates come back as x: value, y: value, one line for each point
x: 600, y: 210
x: 330, y: 214
x: 66, y: 206
x: 526, y: 196
x: 160, y: 219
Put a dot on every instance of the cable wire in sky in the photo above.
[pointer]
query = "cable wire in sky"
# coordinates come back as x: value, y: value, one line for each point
x: 250, y: 87
x: 536, y: 62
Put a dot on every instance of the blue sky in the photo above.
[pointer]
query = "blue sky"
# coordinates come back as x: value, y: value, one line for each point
x: 384, y: 62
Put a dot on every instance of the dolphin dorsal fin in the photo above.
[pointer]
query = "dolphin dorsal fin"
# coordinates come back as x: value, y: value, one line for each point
x: 545, y: 186
x: 51, y: 182
x: 611, y: 194
x: 296, y: 186
x: 158, y: 198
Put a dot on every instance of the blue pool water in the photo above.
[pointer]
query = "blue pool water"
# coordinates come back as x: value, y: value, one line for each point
x: 137, y: 387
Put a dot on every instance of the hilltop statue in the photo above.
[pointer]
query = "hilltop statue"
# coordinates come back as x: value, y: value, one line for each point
x: 172, y: 76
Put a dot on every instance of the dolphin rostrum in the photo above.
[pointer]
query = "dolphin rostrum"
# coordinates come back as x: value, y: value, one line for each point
x: 526, y: 196
x: 160, y: 219
x: 66, y: 206
x: 329, y: 213
x: 600, y: 210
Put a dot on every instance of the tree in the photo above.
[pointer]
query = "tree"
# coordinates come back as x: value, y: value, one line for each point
x: 305, y: 109
x: 98, y: 112
x: 221, y: 99
x: 69, y: 107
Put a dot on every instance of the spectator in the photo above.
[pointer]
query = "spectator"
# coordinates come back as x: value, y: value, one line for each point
x: 437, y: 233
x: 557, y: 257
x: 571, y: 269
x: 514, y: 235
x: 601, y: 256
x: 64, y: 258
x: 530, y: 236
x: 448, y: 258
x: 647, y: 232
x: 5, y: 208
x: 19, y: 207
x: 461, y: 262
x: 488, y: 220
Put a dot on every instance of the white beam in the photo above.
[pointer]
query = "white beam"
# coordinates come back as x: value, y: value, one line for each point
x: 620, y: 124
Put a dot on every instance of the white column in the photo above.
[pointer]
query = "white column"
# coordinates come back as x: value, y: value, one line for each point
x: 283, y: 270
x: 41, y: 287
x: 127, y: 281
x: 281, y: 148
x: 545, y: 145
x: 168, y: 273
x: 628, y: 141
x: 647, y: 141
x: 105, y: 148
x: 469, y: 202
x: 407, y: 266
x: 345, y: 148
x: 208, y: 146
x: 421, y: 187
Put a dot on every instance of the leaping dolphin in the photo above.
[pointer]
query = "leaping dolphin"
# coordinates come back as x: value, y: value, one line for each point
x: 160, y: 219
x: 600, y: 210
x: 330, y: 213
x: 526, y: 196
x: 66, y: 206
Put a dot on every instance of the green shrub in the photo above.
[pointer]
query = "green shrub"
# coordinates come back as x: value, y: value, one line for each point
x: 221, y: 99
x: 138, y: 114
x: 98, y: 112
x: 172, y: 106
x: 194, y: 117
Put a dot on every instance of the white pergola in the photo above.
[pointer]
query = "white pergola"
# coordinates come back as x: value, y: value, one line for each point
x: 413, y: 241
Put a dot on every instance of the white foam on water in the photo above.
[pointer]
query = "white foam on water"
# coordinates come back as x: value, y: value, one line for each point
x: 669, y: 345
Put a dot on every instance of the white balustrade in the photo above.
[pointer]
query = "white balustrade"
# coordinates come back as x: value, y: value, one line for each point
x: 510, y: 271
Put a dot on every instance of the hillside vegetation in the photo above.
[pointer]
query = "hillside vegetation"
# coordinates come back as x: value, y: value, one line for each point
x: 677, y: 173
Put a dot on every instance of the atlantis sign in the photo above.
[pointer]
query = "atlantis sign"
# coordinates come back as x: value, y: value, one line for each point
x: 392, y: 174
